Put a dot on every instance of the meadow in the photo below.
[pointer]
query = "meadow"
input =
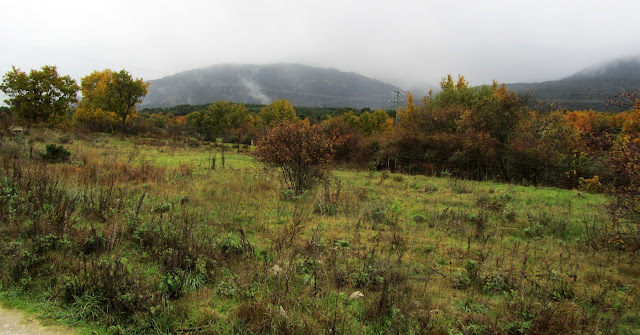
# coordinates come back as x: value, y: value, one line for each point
x: 147, y: 235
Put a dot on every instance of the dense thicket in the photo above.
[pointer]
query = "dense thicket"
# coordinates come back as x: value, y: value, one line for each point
x: 487, y: 132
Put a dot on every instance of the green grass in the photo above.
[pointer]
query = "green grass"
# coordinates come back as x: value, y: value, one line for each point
x: 429, y: 254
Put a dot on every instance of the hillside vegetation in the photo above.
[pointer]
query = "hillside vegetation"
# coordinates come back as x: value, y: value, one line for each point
x: 135, y: 235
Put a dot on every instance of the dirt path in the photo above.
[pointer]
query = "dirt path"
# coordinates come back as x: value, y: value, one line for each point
x: 15, y: 322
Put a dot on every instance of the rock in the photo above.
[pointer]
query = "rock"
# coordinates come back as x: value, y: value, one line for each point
x: 282, y: 312
x: 16, y: 131
x: 356, y: 295
x: 276, y: 270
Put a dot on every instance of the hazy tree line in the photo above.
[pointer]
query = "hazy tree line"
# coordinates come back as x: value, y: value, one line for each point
x: 314, y: 114
x: 479, y: 133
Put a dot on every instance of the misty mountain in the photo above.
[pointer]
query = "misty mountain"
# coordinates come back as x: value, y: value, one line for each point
x: 301, y: 85
x: 588, y: 88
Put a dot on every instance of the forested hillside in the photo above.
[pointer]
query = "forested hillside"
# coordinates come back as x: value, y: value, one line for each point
x: 589, y: 88
x: 301, y: 85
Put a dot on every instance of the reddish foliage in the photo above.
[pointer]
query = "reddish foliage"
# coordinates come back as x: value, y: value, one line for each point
x: 301, y: 151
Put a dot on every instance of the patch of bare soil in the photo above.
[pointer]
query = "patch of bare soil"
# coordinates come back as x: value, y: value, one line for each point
x: 15, y: 322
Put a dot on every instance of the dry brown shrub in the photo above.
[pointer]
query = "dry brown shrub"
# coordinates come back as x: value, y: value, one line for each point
x: 184, y: 170
x: 256, y: 318
x: 300, y: 151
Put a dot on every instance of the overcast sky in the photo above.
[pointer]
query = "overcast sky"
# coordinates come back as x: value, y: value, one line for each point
x: 408, y: 43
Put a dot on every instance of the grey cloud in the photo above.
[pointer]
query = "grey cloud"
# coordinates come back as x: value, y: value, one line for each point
x: 411, y: 43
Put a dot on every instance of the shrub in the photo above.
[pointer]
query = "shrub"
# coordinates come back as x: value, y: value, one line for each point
x: 495, y: 283
x: 495, y: 203
x: 460, y: 186
x: 461, y: 281
x: 590, y: 184
x: 56, y: 153
x: 230, y: 245
x: 378, y: 215
x: 112, y: 283
x: 429, y: 188
x: 301, y: 151
x: 330, y: 198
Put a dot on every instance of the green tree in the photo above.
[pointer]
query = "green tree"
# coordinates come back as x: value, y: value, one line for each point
x: 351, y: 119
x: 219, y: 118
x: 40, y: 96
x: 279, y: 111
x: 125, y: 93
x: 374, y: 122
x: 456, y: 93
x: 160, y: 120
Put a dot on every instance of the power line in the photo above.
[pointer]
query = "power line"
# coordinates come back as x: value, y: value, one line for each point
x: 397, y: 101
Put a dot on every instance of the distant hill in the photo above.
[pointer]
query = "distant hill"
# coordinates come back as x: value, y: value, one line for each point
x: 589, y: 87
x: 301, y: 85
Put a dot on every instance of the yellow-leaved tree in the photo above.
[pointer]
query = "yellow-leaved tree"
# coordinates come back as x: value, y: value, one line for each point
x: 278, y: 112
x: 107, y: 97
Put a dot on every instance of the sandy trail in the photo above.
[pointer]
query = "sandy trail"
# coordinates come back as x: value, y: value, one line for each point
x: 15, y: 322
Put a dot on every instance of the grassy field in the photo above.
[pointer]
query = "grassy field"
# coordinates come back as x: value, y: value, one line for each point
x: 144, y: 236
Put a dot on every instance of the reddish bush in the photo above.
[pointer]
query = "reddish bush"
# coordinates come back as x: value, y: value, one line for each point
x: 302, y: 152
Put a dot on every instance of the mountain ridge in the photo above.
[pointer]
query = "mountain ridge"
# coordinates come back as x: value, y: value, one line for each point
x: 588, y: 88
x: 309, y: 86
x: 302, y: 85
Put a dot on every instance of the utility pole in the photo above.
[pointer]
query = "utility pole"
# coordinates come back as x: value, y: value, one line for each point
x: 397, y: 101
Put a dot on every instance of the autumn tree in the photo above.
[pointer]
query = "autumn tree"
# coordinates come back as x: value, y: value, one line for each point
x: 624, y: 164
x: 95, y: 119
x: 347, y: 128
x: 40, y: 96
x: 350, y: 118
x: 106, y: 92
x: 463, y: 129
x: 485, y: 128
x: 540, y: 150
x: 279, y: 111
x: 302, y: 153
x: 177, y: 121
x: 94, y: 89
x: 410, y: 112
